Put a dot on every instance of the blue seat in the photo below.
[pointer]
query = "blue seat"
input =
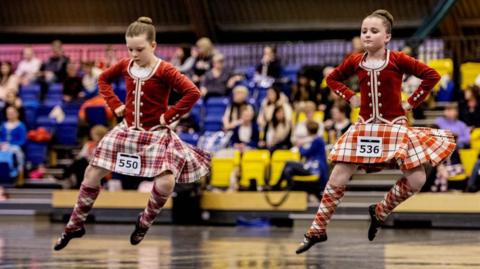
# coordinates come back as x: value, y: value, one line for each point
x: 5, y: 177
x: 96, y: 115
x: 191, y: 139
x: 55, y: 88
x: 8, y: 158
x: 71, y: 108
x: 121, y: 93
x: 46, y: 122
x: 44, y: 110
x: 217, y: 101
x: 36, y: 153
x: 215, y: 112
x: 34, y: 88
x: 66, y: 133
x: 30, y: 92
x: 52, y: 101
x: 212, y: 124
x: 290, y: 71
x: 30, y: 113
x: 247, y: 71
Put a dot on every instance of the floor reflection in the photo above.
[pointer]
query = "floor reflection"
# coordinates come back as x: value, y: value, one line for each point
x: 27, y: 244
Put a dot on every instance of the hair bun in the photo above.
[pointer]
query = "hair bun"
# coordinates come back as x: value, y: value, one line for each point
x: 384, y: 13
x: 146, y: 20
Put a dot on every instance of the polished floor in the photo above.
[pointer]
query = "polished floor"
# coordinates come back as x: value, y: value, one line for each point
x: 27, y: 243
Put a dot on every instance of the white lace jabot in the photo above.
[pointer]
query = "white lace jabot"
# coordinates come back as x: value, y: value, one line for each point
x: 373, y: 64
x: 140, y: 72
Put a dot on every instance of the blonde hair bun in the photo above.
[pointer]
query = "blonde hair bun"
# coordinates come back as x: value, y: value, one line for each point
x: 146, y: 20
x: 384, y: 13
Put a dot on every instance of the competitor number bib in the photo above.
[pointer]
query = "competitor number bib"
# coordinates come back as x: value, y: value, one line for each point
x: 128, y: 164
x: 368, y: 146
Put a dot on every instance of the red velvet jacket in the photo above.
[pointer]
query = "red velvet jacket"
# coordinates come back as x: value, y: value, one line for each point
x: 147, y: 99
x: 380, y: 89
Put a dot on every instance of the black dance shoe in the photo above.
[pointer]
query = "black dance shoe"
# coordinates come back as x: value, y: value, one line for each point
x: 308, y: 242
x: 374, y: 223
x: 66, y: 237
x: 138, y: 234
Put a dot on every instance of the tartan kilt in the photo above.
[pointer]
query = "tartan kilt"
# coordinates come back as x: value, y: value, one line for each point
x: 402, y: 147
x: 160, y: 150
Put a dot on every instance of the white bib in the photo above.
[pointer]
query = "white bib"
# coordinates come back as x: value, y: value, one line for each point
x: 128, y: 164
x: 369, y: 146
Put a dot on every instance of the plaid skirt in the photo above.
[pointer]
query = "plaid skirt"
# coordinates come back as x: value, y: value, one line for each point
x: 158, y: 151
x: 397, y: 146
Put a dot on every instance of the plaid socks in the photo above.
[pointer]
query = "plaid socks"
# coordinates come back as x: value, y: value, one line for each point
x: 400, y: 192
x: 330, y: 200
x: 86, y: 198
x: 155, y: 203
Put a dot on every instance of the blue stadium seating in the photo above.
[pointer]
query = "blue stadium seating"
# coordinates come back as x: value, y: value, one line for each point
x: 96, y: 115
x: 189, y: 138
x: 36, y: 153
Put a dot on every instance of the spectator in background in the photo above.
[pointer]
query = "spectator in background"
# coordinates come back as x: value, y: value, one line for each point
x: 203, y: 54
x: 304, y: 90
x: 72, y: 85
x: 339, y: 123
x: 315, y: 164
x: 446, y: 90
x: 13, y: 135
x: 470, y: 106
x: 94, y: 102
x: 246, y: 135
x: 231, y: 117
x: 278, y: 131
x: 12, y: 100
x: 269, y: 65
x: 90, y: 78
x: 332, y: 100
x: 218, y: 81
x: 77, y: 168
x: 450, y: 121
x: 186, y: 124
x: 275, y: 98
x: 473, y: 183
x: 357, y: 47
x: 109, y: 59
x: 8, y: 80
x: 55, y: 69
x: 182, y: 58
x: 300, y: 135
x: 28, y: 67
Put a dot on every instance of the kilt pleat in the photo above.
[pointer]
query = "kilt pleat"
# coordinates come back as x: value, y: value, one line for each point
x: 160, y: 150
x: 404, y: 147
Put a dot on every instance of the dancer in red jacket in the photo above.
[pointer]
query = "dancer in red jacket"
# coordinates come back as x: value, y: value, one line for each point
x: 381, y: 137
x: 142, y: 144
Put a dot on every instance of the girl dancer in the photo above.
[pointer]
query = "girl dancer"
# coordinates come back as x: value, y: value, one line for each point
x: 142, y: 144
x: 381, y: 138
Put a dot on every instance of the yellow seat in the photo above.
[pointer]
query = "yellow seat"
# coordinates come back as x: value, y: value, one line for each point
x: 460, y: 177
x: 468, y: 158
x: 354, y: 114
x: 469, y: 72
x: 442, y: 66
x: 222, y: 168
x: 294, y: 118
x: 317, y: 116
x: 311, y: 178
x: 475, y: 139
x: 279, y: 158
x: 254, y: 166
